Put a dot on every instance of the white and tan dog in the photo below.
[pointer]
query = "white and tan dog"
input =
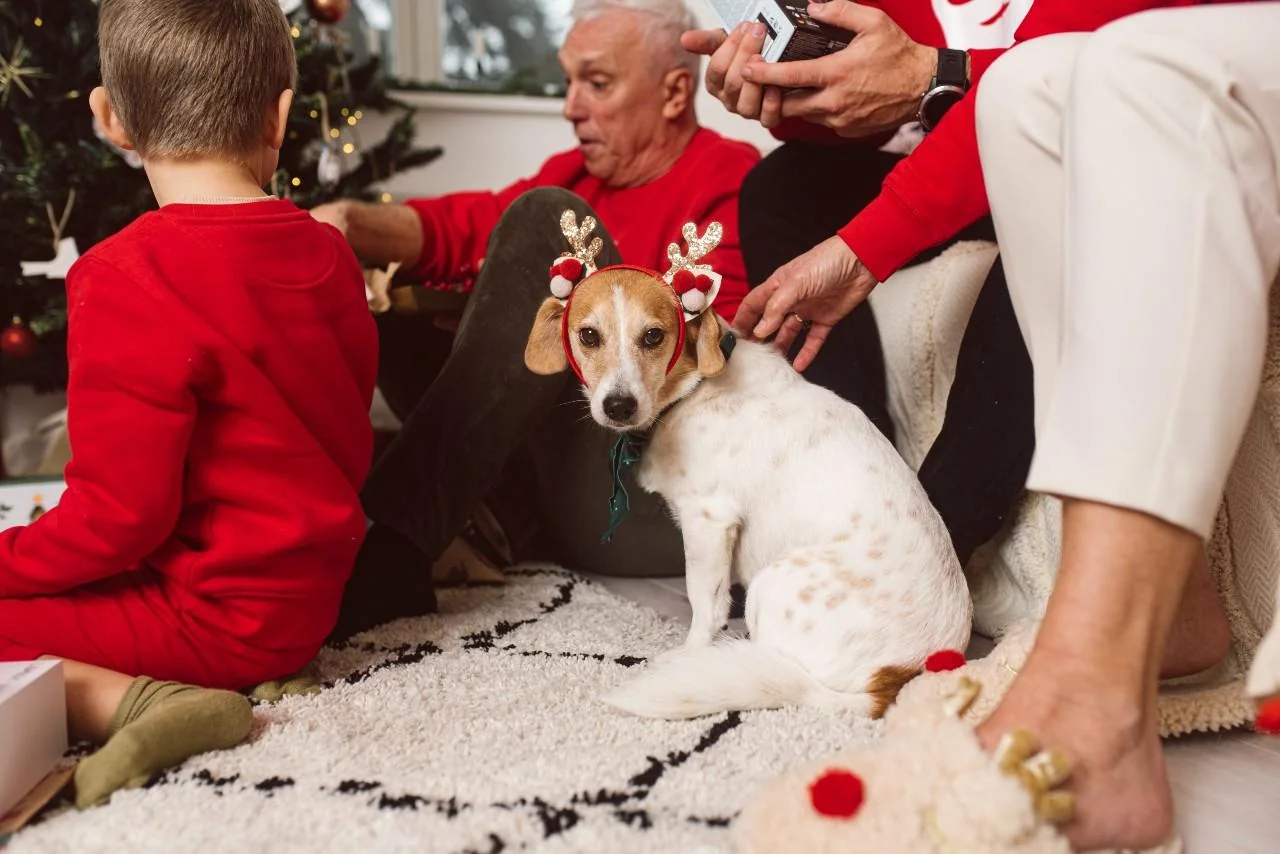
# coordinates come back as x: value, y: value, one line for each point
x: 851, y: 578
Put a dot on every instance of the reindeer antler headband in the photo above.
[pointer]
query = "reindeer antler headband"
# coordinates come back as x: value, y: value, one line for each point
x: 695, y: 285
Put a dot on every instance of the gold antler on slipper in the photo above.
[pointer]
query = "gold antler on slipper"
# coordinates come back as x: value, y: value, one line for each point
x: 1040, y: 771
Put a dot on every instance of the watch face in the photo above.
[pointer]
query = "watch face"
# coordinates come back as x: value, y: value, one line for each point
x: 936, y: 104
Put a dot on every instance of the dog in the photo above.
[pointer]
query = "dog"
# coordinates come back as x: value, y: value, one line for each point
x: 852, y: 581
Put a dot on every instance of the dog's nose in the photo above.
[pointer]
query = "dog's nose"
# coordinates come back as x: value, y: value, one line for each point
x: 620, y: 407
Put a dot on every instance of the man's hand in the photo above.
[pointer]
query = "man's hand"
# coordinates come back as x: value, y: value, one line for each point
x: 818, y: 289
x: 333, y: 213
x: 872, y: 86
x: 729, y: 54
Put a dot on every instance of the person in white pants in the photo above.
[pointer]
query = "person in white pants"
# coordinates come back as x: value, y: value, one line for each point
x: 1132, y: 175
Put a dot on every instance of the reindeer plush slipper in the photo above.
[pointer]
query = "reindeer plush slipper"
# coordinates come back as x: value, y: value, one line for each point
x: 928, y: 786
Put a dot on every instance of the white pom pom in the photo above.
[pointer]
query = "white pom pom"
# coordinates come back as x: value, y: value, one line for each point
x: 694, y: 301
x: 561, y: 287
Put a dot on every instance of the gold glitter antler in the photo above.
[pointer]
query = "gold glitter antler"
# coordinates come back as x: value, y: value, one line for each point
x: 699, y: 247
x: 577, y: 237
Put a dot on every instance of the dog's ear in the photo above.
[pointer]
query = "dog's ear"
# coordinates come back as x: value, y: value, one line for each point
x: 707, y: 344
x: 544, y: 354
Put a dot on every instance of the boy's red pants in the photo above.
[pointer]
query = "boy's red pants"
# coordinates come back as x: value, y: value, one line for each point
x: 134, y: 625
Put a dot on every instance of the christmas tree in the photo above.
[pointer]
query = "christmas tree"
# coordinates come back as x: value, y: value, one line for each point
x: 59, y: 179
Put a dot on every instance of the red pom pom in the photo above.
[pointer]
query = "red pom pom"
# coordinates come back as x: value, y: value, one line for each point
x: 837, y: 793
x: 1268, y: 720
x: 703, y: 283
x: 683, y: 281
x: 571, y: 269
x: 944, y: 659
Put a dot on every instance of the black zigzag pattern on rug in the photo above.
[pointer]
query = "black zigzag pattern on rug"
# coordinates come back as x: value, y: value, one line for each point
x: 626, y: 805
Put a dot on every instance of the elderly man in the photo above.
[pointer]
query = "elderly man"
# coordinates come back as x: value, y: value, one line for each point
x: 643, y: 168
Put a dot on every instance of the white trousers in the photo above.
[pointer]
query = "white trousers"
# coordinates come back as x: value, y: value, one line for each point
x: 1132, y: 175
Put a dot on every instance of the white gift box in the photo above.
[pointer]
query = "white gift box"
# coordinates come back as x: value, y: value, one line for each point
x: 33, y: 726
x: 22, y: 501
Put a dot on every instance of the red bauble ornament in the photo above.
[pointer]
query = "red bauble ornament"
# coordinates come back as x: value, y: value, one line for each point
x: 945, y: 659
x: 328, y: 11
x: 17, y: 341
x: 1268, y: 720
x: 837, y: 793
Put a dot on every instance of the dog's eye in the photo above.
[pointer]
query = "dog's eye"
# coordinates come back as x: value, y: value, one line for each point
x: 653, y: 337
x: 589, y: 337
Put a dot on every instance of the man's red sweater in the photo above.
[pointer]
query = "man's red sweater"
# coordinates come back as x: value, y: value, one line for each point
x: 701, y: 187
x: 223, y: 360
x: 938, y: 189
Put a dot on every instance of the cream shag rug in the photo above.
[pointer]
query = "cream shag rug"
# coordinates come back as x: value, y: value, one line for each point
x: 475, y: 730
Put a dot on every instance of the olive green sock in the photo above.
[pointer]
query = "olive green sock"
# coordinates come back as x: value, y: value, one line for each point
x: 159, y: 725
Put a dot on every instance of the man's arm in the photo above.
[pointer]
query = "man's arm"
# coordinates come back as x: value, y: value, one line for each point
x: 380, y: 234
x: 438, y: 239
x: 130, y: 417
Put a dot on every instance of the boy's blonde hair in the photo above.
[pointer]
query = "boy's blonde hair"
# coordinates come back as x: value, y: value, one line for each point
x: 195, y: 78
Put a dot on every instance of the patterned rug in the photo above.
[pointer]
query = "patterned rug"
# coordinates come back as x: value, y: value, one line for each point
x: 475, y: 730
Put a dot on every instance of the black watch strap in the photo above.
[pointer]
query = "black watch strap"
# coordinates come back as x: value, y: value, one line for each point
x: 953, y: 69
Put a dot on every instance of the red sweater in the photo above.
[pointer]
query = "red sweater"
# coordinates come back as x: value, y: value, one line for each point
x: 222, y: 366
x: 701, y: 187
x: 938, y: 190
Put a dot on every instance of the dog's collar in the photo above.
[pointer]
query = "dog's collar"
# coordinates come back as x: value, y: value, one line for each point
x: 568, y: 303
x: 629, y: 448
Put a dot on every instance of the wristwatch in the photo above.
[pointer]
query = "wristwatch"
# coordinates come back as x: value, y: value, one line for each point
x: 950, y: 83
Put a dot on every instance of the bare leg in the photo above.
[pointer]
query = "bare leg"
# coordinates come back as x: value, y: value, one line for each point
x: 93, y: 697
x: 1201, y: 634
x: 1089, y: 685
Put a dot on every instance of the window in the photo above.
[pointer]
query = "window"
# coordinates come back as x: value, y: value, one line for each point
x: 474, y: 45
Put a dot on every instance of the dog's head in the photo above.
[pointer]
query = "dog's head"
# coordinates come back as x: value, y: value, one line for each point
x: 634, y: 351
x: 638, y: 340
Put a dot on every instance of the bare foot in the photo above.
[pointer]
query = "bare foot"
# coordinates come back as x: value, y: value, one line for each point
x: 1201, y: 634
x: 1122, y: 793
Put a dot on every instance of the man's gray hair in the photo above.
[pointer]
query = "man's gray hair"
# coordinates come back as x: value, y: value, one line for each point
x: 663, y: 21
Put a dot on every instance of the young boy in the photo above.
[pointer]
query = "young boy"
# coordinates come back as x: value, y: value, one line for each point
x: 222, y: 365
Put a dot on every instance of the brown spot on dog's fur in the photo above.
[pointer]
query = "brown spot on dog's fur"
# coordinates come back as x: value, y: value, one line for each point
x: 852, y: 581
x: 875, y: 554
x: 855, y: 520
x: 880, y: 541
x: 836, y: 598
x: 807, y: 627
x: 788, y: 615
x: 806, y: 595
x: 800, y: 560
x: 707, y: 514
x: 885, y: 684
x: 843, y: 538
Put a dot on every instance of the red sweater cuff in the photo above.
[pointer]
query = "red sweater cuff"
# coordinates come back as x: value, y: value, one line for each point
x: 886, y: 234
x: 422, y: 269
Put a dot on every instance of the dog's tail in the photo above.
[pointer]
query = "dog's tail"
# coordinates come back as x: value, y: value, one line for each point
x: 738, y: 674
